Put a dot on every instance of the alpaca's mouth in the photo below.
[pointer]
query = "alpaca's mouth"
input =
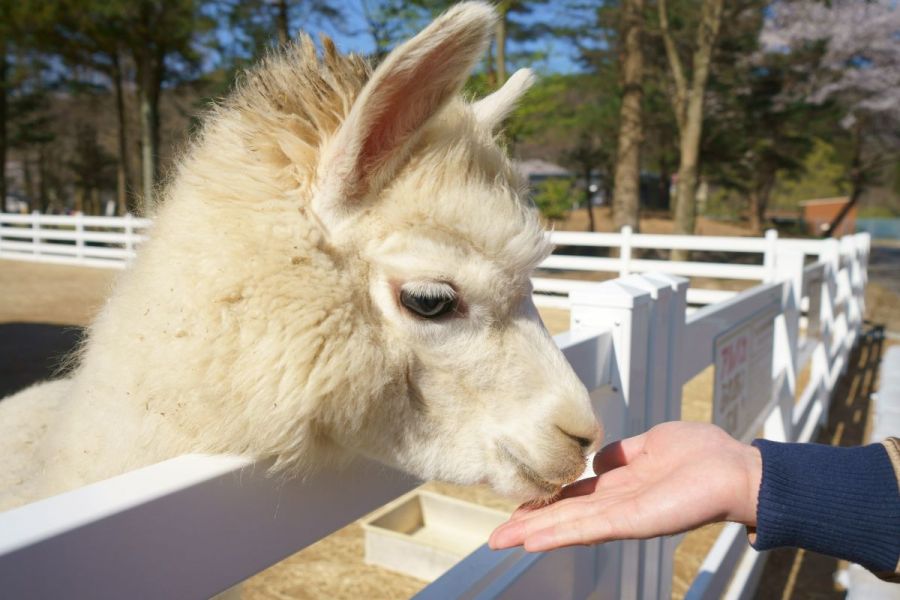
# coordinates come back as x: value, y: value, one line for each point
x: 526, y: 471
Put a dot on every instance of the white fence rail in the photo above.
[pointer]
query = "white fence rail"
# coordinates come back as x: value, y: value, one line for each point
x: 77, y: 239
x: 111, y: 241
x: 553, y: 292
x: 195, y: 525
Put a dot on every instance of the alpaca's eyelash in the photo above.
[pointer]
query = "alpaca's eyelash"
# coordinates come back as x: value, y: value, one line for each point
x: 430, y: 289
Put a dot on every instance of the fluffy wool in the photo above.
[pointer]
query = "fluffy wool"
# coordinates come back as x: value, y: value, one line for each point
x: 263, y: 315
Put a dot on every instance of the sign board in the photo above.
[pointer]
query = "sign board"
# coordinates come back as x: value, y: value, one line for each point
x: 743, y: 384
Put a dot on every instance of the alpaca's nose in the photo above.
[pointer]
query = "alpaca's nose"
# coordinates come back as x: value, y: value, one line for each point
x: 580, y: 440
x: 586, y: 440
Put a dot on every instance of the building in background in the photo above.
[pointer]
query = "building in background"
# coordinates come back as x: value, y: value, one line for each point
x: 819, y: 213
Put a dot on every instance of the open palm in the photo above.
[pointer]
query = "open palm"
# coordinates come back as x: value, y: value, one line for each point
x: 675, y: 477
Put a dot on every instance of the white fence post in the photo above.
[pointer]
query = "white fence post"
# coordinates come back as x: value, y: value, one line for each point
x: 663, y: 403
x: 785, y: 356
x: 625, y: 252
x: 769, y: 256
x: 865, y: 241
x: 36, y: 232
x: 79, y: 236
x: 129, y: 237
x: 624, y: 310
x: 850, y: 249
x: 827, y: 322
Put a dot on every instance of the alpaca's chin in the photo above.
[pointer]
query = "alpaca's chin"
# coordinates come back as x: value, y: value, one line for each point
x: 514, y: 485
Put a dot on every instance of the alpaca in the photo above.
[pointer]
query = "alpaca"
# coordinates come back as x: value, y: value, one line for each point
x: 340, y: 265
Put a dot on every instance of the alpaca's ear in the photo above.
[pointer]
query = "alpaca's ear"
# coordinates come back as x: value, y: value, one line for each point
x: 491, y: 110
x: 404, y: 92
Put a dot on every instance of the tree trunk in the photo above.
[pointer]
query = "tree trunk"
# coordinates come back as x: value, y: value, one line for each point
x: 759, y: 200
x: 627, y: 186
x: 665, y: 183
x: 122, y: 178
x: 43, y: 197
x: 96, y: 205
x: 283, y: 23
x: 857, y: 181
x: 688, y: 105
x: 686, y: 186
x: 4, y: 72
x: 754, y: 201
x: 489, y: 67
x: 588, y: 200
x: 149, y: 79
x: 500, y: 39
x: 28, y: 176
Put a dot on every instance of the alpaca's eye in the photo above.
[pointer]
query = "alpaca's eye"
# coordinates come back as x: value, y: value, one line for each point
x: 430, y: 300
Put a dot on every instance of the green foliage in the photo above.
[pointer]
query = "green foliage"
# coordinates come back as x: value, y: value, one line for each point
x: 878, y: 212
x: 725, y: 204
x: 553, y: 197
x: 757, y: 136
x: 254, y: 25
x: 822, y: 175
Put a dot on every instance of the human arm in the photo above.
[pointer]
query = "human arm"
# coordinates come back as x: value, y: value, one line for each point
x: 678, y: 476
x: 844, y: 502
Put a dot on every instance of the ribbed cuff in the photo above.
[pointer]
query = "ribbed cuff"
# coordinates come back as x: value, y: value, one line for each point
x: 843, y: 502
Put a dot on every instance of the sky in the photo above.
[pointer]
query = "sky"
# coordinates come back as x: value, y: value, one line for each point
x: 549, y: 56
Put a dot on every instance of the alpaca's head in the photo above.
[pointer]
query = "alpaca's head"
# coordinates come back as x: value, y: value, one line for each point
x: 414, y: 194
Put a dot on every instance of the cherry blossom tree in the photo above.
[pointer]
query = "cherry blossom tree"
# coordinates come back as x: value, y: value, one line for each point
x: 857, y: 66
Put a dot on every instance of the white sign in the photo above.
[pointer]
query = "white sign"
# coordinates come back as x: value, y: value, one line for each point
x: 743, y: 386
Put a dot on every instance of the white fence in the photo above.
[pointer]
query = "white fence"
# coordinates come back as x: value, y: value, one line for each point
x: 195, y: 525
x: 760, y: 267
x: 76, y: 239
x: 111, y: 242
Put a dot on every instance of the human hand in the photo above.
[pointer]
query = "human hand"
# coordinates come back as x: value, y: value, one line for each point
x: 675, y: 477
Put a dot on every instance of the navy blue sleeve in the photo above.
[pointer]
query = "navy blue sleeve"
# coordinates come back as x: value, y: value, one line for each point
x: 843, y: 502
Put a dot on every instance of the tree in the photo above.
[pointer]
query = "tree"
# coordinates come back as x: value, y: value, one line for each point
x: 25, y: 80
x: 91, y: 168
x: 858, y: 68
x: 94, y: 39
x: 386, y: 23
x: 626, y: 186
x: 257, y: 25
x: 17, y: 17
x: 513, y: 24
x: 4, y: 85
x: 389, y: 21
x: 755, y: 138
x: 687, y: 103
x: 553, y: 198
x: 29, y: 131
x: 163, y: 39
x: 822, y: 175
x: 568, y: 116
x: 756, y: 131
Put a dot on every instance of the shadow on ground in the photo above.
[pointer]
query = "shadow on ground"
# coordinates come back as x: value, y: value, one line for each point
x: 32, y: 352
x: 794, y: 574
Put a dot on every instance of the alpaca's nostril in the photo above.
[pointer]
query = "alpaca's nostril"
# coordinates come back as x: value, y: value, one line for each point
x: 582, y: 442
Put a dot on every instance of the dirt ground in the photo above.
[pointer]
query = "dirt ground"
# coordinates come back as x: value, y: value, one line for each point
x: 577, y: 220
x: 333, y: 567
